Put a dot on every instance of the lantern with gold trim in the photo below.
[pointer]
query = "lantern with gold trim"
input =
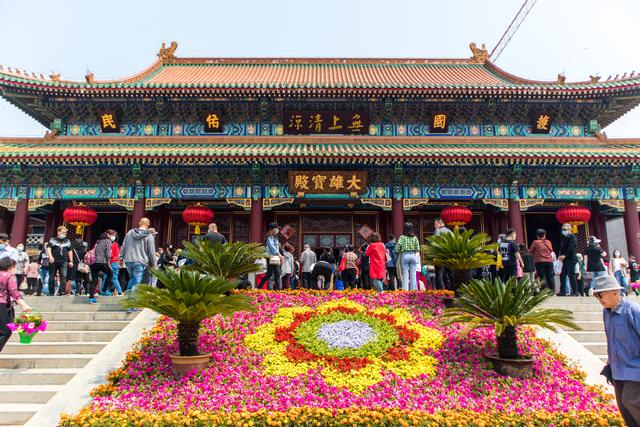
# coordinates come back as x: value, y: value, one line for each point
x: 455, y: 215
x: 81, y: 216
x: 573, y: 214
x: 198, y: 216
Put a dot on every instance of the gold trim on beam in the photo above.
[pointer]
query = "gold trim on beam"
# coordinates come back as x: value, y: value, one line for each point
x: 529, y: 203
x: 38, y: 203
x: 10, y: 204
x: 273, y: 202
x: 125, y: 203
x: 155, y: 202
x: 616, y: 204
x: 502, y: 204
x: 408, y: 204
x: 244, y: 203
x: 381, y: 203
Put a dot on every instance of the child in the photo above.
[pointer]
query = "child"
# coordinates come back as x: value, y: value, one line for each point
x: 634, y: 273
x: 32, y: 272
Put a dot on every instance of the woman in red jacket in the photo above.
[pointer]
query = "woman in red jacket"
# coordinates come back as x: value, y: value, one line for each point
x: 377, y: 254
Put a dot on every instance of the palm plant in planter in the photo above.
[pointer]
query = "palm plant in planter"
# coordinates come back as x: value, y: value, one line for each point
x: 189, y: 297
x: 459, y: 252
x: 230, y: 260
x: 506, y: 305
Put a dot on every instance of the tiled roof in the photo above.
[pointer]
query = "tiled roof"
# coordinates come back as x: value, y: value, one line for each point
x: 319, y: 150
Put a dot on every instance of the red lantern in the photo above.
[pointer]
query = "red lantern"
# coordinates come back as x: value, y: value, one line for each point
x: 573, y: 214
x: 81, y: 216
x: 456, y: 215
x: 197, y: 216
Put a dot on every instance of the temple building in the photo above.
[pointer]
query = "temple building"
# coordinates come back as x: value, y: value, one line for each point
x: 332, y: 149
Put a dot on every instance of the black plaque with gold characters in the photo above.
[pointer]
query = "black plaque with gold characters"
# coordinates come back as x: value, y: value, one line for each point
x: 541, y: 123
x: 327, y: 182
x: 213, y: 122
x: 323, y: 122
x: 109, y: 122
x: 439, y: 123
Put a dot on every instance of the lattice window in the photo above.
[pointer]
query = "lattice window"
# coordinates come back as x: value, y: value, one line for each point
x: 241, y: 228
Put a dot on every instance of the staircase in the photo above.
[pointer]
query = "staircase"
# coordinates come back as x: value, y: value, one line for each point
x: 31, y: 374
x: 587, y: 313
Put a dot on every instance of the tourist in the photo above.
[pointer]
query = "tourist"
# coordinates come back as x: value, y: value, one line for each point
x: 567, y: 255
x: 618, y: 268
x: 114, y: 263
x: 634, y: 273
x: 528, y: 264
x: 288, y: 266
x: 408, y: 247
x: 138, y: 252
x: 23, y: 261
x: 60, y: 260
x: 327, y: 255
x: 377, y: 254
x: 6, y: 250
x: 511, y: 257
x: 275, y: 258
x: 307, y: 259
x: 32, y: 272
x: 8, y: 293
x: 541, y: 250
x: 392, y: 260
x: 363, y: 265
x: 322, y: 275
x: 594, y: 260
x: 581, y: 273
x: 622, y: 328
x: 102, y: 264
x: 79, y: 273
x: 350, y: 270
x: 213, y: 236
x: 43, y: 262
x: 443, y: 275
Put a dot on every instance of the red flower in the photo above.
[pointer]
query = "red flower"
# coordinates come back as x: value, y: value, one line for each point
x: 407, y: 335
x: 396, y: 353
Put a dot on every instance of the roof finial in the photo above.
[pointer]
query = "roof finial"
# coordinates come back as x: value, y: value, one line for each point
x: 561, y: 79
x: 167, y: 54
x: 55, y: 77
x: 633, y: 73
x: 594, y: 79
x: 479, y: 55
x: 89, y: 77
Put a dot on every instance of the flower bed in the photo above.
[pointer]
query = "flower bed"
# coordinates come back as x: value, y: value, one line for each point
x: 354, y: 358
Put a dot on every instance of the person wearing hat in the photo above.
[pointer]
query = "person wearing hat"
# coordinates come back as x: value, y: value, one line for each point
x: 622, y: 328
x: 593, y: 257
x: 275, y: 258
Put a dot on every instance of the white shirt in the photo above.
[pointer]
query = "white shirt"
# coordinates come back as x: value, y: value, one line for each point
x: 617, y: 263
x: 10, y: 252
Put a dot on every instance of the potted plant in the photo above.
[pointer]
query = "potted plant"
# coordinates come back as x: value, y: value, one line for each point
x: 459, y: 252
x: 28, y: 324
x: 188, y: 297
x: 229, y: 260
x: 506, y: 305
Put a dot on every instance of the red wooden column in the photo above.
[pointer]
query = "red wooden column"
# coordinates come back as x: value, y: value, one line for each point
x: 397, y: 217
x: 515, y: 219
x: 632, y: 226
x: 598, y: 226
x: 138, y: 212
x: 51, y: 221
x: 256, y: 221
x: 20, y: 226
x: 5, y: 219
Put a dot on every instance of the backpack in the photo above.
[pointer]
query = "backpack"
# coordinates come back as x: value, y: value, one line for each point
x: 90, y: 257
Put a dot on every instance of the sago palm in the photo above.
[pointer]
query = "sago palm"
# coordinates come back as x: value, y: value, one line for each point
x: 459, y: 252
x: 188, y: 297
x: 228, y: 260
x: 505, y: 305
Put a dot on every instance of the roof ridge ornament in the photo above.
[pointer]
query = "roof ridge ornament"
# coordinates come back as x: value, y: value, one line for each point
x: 561, y: 79
x: 594, y: 79
x: 55, y: 77
x: 479, y: 55
x: 89, y: 77
x: 167, y: 54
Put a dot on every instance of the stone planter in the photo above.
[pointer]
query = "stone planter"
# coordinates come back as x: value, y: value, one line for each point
x: 186, y: 364
x: 516, y: 368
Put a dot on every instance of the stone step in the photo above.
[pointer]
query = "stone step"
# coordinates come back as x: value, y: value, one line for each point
x: 43, y: 376
x: 68, y: 300
x: 580, y: 316
x: 19, y: 393
x: 31, y: 361
x: 17, y: 413
x: 76, y: 325
x: 577, y: 308
x: 588, y: 325
x: 54, y: 348
x: 76, y: 307
x: 70, y: 336
x: 589, y: 336
x: 87, y: 316
x: 597, y: 348
x: 604, y: 358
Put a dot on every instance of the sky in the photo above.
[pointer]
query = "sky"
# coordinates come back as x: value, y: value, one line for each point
x: 119, y: 38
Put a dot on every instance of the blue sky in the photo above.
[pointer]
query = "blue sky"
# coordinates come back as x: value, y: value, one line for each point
x: 119, y: 38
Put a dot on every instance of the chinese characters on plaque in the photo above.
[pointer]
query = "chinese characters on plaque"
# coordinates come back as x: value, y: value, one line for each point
x: 109, y: 122
x: 213, y: 122
x: 541, y: 124
x: 327, y: 182
x: 439, y: 123
x: 322, y: 122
